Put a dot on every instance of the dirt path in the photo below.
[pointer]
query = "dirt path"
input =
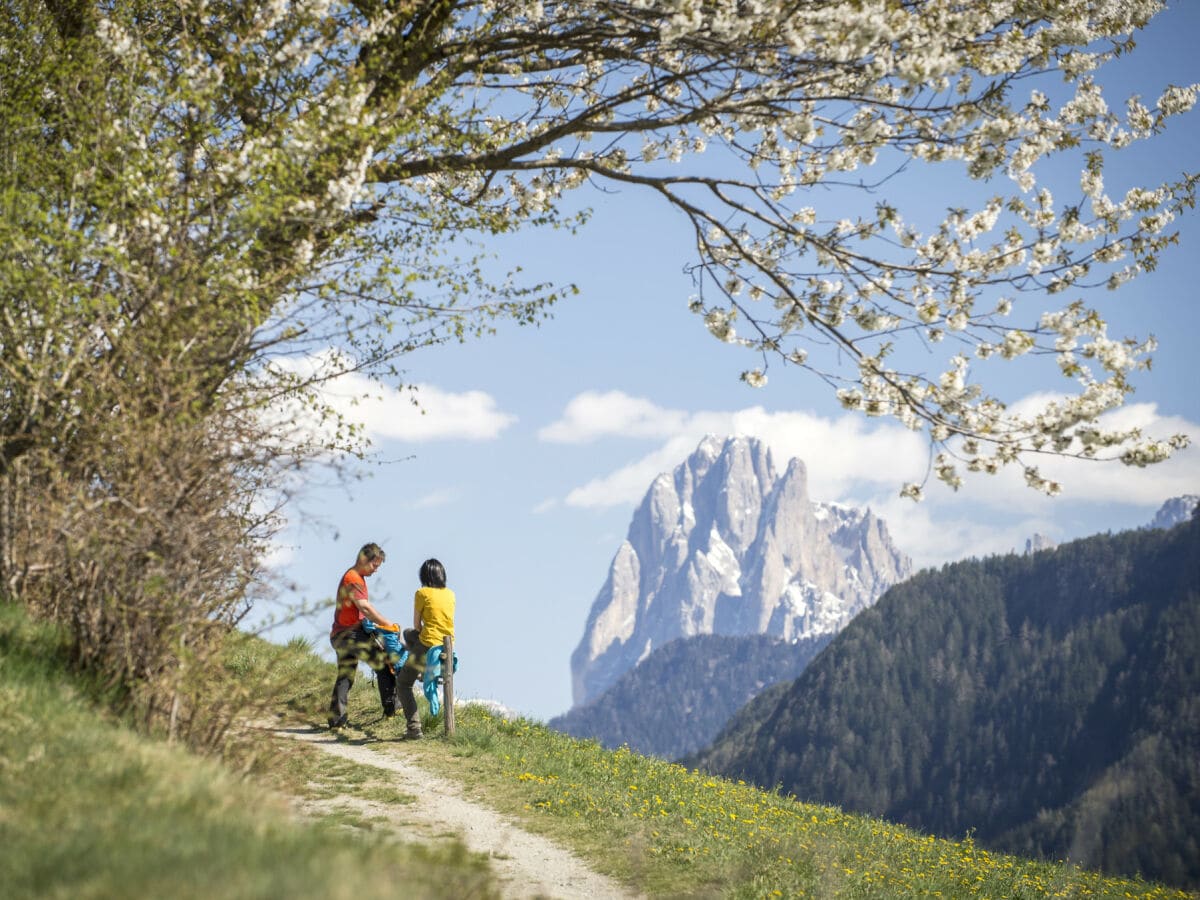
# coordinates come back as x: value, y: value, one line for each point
x: 528, y: 865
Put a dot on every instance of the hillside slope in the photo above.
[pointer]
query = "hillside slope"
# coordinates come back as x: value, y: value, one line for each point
x: 91, y: 808
x: 1049, y: 703
x: 677, y: 699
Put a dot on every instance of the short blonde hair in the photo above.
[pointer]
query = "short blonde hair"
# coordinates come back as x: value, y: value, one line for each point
x: 371, y: 552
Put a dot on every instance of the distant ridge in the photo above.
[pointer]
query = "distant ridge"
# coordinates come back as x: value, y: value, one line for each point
x: 1049, y: 703
x: 678, y: 698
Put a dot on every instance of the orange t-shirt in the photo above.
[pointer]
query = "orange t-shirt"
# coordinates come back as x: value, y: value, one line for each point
x: 347, y: 614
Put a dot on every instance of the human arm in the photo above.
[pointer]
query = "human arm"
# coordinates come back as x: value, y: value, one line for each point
x: 376, y: 616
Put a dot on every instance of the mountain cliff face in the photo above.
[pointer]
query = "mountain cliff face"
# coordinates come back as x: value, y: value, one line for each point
x: 726, y: 545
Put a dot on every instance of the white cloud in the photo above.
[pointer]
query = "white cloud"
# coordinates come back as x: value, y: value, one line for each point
x: 933, y: 532
x: 435, y: 499
x: 594, y: 414
x: 437, y: 415
x: 837, y: 452
x: 628, y: 484
x: 845, y: 454
x: 865, y: 462
x: 412, y: 413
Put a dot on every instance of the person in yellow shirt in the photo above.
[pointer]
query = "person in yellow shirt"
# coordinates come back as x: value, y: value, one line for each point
x: 433, y: 620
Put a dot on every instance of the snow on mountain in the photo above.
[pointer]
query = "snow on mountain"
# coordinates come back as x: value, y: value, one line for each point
x: 1174, y: 511
x: 724, y: 544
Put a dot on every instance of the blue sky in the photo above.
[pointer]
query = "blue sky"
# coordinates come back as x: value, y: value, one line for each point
x: 536, y: 445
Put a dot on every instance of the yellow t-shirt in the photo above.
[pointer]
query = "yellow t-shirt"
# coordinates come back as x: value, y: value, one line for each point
x: 435, y: 606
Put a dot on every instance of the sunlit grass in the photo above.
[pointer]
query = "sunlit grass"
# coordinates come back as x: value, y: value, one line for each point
x: 685, y: 833
x: 89, y: 808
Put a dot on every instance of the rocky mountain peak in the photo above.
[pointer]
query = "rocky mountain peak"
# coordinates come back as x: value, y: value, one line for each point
x: 724, y: 544
x: 1174, y: 511
x: 1038, y: 542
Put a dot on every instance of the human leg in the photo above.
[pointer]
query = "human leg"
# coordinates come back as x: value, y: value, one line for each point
x: 375, y: 655
x: 346, y: 646
x: 386, y: 679
x: 406, y: 678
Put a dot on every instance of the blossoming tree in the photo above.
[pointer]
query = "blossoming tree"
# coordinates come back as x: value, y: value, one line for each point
x: 301, y: 166
x: 198, y: 193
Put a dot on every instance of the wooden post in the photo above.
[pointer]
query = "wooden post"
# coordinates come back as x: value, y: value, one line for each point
x: 448, y: 683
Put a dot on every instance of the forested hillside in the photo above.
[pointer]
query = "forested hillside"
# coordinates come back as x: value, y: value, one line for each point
x: 1048, y: 703
x: 677, y: 699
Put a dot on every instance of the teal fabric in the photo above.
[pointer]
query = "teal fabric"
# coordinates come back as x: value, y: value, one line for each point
x: 433, y: 671
x: 397, y: 652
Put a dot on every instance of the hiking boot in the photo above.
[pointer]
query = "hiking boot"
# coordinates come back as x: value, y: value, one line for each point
x: 336, y: 723
x: 413, y: 734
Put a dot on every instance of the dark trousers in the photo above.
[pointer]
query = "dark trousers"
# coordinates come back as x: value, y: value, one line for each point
x: 352, y: 646
x: 408, y: 676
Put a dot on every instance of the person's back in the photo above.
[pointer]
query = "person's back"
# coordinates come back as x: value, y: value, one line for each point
x: 436, y: 609
x: 433, y: 621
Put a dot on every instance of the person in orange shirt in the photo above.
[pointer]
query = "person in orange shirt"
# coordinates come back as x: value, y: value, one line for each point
x: 351, y: 642
x: 433, y: 619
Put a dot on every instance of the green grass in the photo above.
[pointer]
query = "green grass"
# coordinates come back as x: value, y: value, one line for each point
x: 90, y: 809
x: 676, y: 833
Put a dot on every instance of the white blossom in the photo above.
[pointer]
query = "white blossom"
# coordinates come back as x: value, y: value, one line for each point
x: 755, y: 378
x: 800, y: 100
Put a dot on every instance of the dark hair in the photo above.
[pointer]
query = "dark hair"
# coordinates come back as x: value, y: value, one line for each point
x: 433, y: 574
x: 372, y: 552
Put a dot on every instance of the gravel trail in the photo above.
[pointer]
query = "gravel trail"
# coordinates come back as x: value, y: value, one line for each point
x: 528, y: 865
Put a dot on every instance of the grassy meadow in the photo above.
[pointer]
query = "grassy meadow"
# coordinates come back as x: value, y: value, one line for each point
x: 680, y: 833
x: 90, y: 809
